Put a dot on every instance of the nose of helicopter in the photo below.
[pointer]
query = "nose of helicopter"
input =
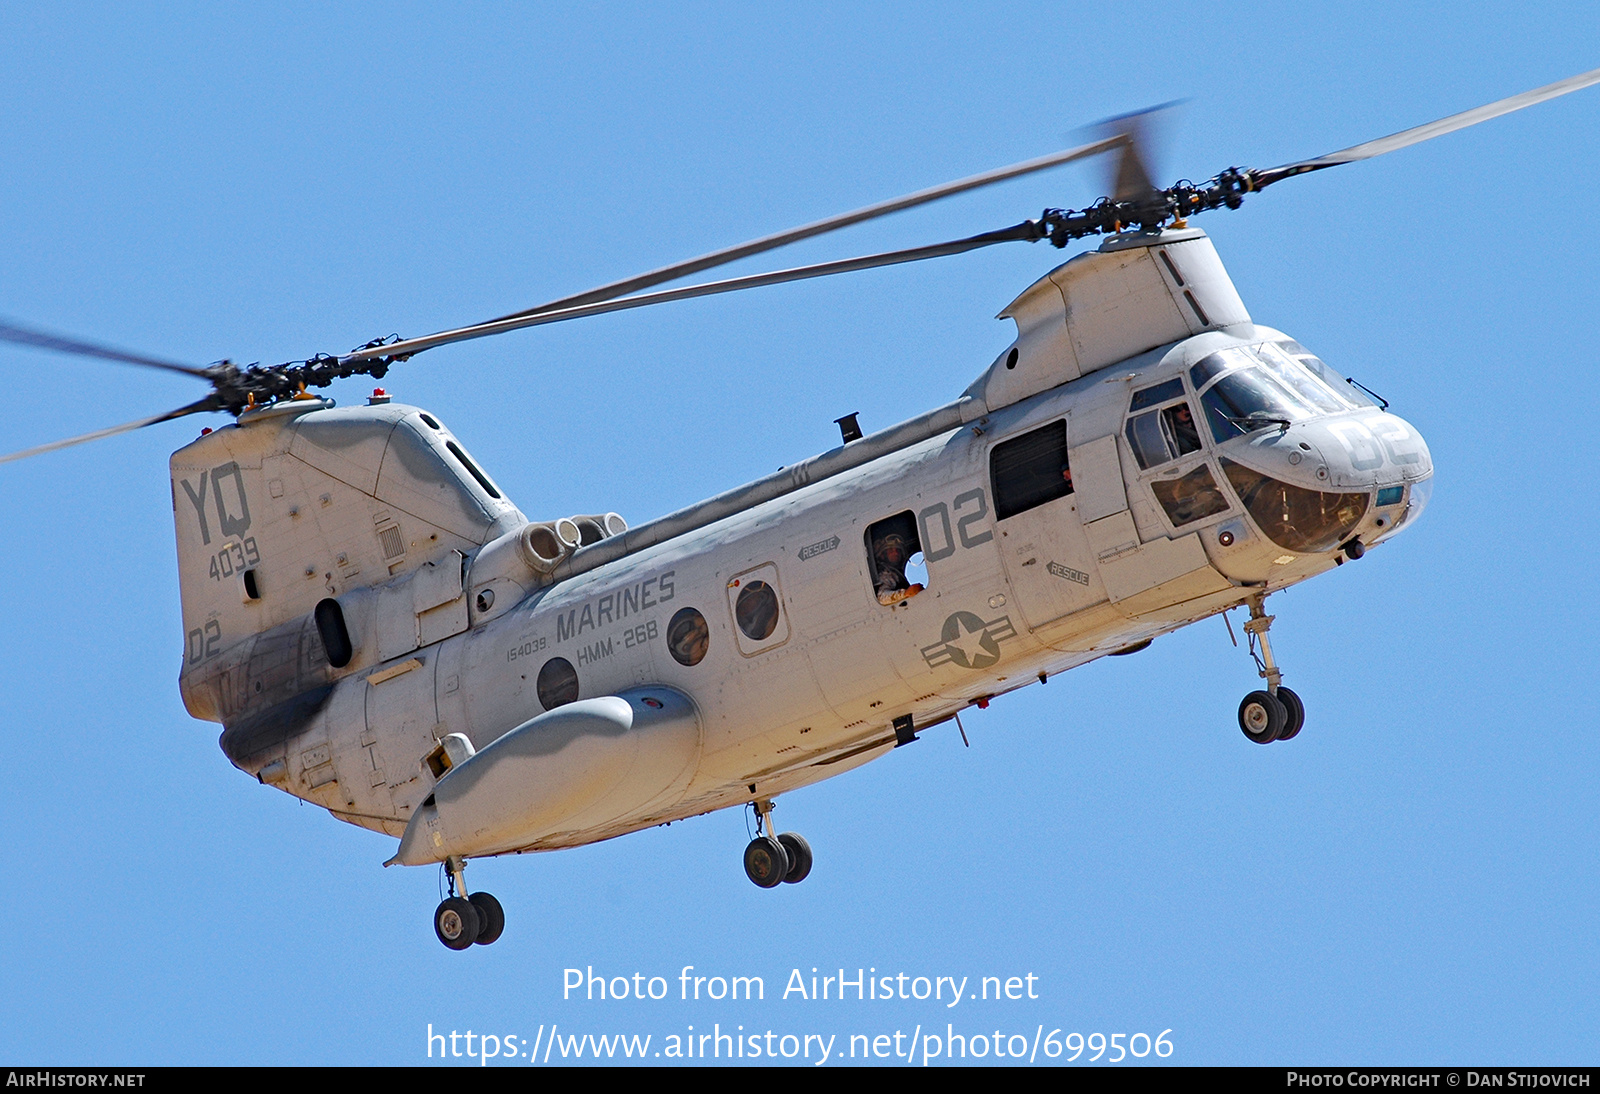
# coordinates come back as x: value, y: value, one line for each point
x: 1318, y: 486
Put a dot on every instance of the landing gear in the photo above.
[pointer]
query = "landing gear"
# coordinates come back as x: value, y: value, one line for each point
x: 1277, y: 713
x: 491, y: 918
x: 455, y: 921
x: 461, y: 920
x: 769, y: 861
x: 1262, y: 717
x: 766, y: 862
x: 799, y: 852
x: 1295, y: 710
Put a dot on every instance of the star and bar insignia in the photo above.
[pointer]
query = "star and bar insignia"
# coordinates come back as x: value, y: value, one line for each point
x: 969, y: 642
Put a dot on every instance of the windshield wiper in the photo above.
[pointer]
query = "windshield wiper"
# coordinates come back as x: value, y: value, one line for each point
x: 1368, y: 390
x: 1257, y: 419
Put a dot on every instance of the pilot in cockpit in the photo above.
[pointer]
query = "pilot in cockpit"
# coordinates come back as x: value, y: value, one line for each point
x: 1181, y: 421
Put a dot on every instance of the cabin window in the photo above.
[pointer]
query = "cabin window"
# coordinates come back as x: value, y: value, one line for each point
x: 557, y: 684
x: 1029, y: 470
x: 756, y: 610
x: 894, y: 556
x: 688, y: 637
x: 755, y: 600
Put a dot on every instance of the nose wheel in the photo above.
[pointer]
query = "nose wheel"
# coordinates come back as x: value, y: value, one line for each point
x: 770, y: 861
x: 1276, y: 714
x: 464, y: 921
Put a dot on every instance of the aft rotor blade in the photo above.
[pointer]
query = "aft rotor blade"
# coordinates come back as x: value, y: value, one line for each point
x: 1428, y: 131
x: 208, y: 403
x: 819, y: 227
x: 1028, y: 230
x: 42, y: 340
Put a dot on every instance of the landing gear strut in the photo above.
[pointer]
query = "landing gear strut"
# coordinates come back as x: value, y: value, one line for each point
x: 461, y: 920
x: 1277, y: 713
x: 769, y: 860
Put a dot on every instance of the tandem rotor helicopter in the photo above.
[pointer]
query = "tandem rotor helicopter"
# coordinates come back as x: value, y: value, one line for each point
x: 382, y: 632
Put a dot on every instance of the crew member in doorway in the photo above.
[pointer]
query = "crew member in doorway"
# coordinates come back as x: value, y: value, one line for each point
x: 893, y: 544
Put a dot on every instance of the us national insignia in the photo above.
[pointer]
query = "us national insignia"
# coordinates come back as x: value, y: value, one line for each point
x: 969, y: 642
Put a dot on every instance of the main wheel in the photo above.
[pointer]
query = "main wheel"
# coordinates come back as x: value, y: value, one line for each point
x: 1294, y: 711
x: 455, y: 921
x: 1262, y: 717
x: 491, y: 918
x: 766, y: 862
x: 799, y: 852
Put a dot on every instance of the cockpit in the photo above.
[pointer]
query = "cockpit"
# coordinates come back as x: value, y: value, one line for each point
x: 1248, y: 388
x: 1308, y: 455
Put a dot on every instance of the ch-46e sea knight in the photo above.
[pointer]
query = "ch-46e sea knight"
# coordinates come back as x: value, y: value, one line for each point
x: 382, y: 632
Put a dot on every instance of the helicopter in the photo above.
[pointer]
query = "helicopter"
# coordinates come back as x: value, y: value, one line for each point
x: 382, y: 632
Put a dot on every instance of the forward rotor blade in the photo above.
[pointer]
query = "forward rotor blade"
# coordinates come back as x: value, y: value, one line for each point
x: 816, y: 228
x: 1026, y: 231
x: 41, y: 340
x: 208, y: 403
x: 1130, y: 180
x: 1428, y: 131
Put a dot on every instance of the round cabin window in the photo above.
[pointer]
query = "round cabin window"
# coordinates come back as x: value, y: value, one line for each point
x: 757, y: 610
x: 688, y: 637
x: 558, y: 683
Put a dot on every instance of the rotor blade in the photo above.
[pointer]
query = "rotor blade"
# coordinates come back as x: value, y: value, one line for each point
x: 1130, y: 179
x: 41, y: 340
x: 816, y: 228
x: 1028, y: 230
x: 1428, y: 131
x: 208, y: 403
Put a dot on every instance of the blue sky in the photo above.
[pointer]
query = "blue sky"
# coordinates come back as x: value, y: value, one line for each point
x: 1413, y: 880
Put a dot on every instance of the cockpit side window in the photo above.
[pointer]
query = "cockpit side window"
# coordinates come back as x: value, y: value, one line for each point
x: 1162, y: 435
x: 1154, y: 396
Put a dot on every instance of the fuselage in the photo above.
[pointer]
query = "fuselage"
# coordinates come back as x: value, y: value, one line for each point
x: 1074, y: 523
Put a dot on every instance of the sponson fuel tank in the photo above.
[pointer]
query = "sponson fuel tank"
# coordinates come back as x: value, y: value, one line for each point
x: 572, y: 770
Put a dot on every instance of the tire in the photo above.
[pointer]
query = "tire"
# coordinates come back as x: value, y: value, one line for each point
x: 799, y: 852
x: 455, y: 921
x: 1261, y: 717
x: 766, y: 862
x: 491, y: 918
x: 1295, y: 713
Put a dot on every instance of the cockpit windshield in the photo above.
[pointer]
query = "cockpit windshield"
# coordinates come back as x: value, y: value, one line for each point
x: 1343, y: 390
x: 1272, y: 385
x: 1240, y: 396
